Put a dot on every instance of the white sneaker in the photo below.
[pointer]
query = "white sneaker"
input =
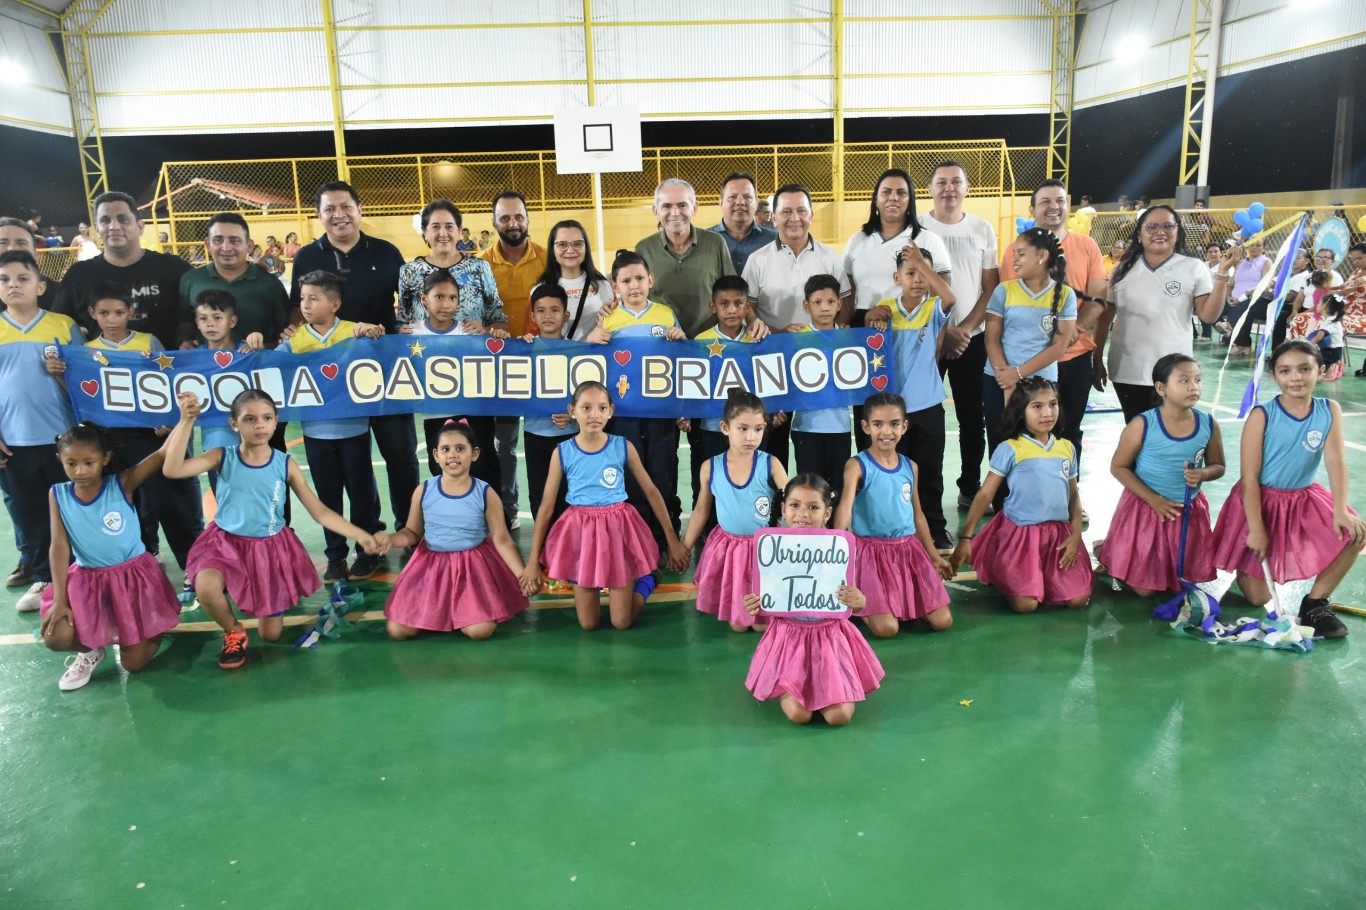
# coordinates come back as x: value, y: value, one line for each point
x: 79, y: 666
x: 515, y: 524
x: 32, y: 598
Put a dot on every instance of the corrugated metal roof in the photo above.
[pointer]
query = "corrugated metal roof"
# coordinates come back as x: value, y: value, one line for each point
x: 694, y: 10
x: 160, y: 15
x: 981, y: 47
x: 42, y: 98
x: 176, y: 62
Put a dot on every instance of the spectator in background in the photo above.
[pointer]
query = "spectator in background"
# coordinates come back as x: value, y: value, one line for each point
x: 485, y: 241
x: 1144, y: 203
x: 1116, y: 252
x: 1087, y: 208
x: 1250, y: 271
x: 743, y: 234
x: 465, y: 244
x: 54, y: 240
x: 763, y: 212
x: 88, y: 248
x: 16, y: 235
x: 291, y: 245
x: 685, y: 262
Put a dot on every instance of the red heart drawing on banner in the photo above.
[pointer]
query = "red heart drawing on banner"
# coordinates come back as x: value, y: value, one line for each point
x: 330, y: 370
x: 493, y: 344
x: 875, y: 341
x: 622, y: 357
x: 91, y: 387
x: 223, y: 358
x: 879, y: 382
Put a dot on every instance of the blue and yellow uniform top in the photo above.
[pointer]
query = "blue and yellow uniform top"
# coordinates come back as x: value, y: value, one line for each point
x: 308, y: 340
x: 1161, y: 462
x: 1040, y: 478
x: 1029, y: 321
x: 651, y: 322
x: 145, y: 342
x: 454, y: 523
x: 742, y: 508
x: 885, y: 503
x: 915, y: 341
x: 714, y: 333
x: 103, y: 532
x: 594, y: 478
x: 820, y: 420
x: 34, y: 408
x: 1292, y: 447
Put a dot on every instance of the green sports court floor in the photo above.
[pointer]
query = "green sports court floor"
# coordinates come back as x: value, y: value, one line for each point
x: 1059, y: 760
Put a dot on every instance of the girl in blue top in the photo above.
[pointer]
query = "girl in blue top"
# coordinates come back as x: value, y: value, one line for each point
x: 1162, y: 452
x: 1277, y: 514
x: 1031, y: 550
x: 464, y: 575
x: 1030, y: 321
x: 116, y: 591
x: 898, y: 569
x: 739, y: 483
x: 247, y: 550
x: 600, y: 541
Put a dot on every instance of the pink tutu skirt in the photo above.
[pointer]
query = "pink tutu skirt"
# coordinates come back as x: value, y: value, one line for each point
x: 445, y: 591
x: 1299, y: 524
x: 1141, y: 549
x: 725, y: 574
x: 896, y: 576
x: 264, y: 575
x: 600, y: 547
x: 820, y: 663
x: 124, y: 604
x: 1022, y: 561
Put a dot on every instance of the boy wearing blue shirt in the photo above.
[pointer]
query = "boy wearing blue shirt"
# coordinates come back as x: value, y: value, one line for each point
x: 821, y: 437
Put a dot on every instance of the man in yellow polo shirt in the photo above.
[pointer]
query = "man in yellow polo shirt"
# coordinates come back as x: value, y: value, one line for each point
x: 517, y: 263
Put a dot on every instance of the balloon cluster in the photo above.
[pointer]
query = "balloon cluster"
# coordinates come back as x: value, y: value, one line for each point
x: 1250, y: 219
x: 1361, y: 224
x: 1023, y: 224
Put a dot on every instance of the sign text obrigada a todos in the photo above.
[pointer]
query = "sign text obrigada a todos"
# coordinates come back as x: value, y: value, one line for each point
x: 436, y: 375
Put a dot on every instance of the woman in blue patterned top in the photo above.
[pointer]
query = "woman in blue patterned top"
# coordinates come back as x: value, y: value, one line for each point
x: 481, y: 309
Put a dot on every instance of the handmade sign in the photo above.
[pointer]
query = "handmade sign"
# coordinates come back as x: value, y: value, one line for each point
x: 801, y: 570
x: 478, y: 375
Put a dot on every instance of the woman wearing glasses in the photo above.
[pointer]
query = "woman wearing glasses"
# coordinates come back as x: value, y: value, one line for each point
x: 571, y: 266
x: 1154, y: 290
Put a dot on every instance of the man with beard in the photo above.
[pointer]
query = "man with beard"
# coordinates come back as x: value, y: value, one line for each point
x: 517, y: 263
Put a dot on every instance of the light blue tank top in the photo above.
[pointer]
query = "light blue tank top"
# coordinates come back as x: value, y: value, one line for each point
x: 594, y: 478
x: 251, y: 500
x: 742, y: 509
x: 454, y: 523
x: 1293, y: 449
x: 104, y: 532
x: 1161, y: 463
x: 884, y: 505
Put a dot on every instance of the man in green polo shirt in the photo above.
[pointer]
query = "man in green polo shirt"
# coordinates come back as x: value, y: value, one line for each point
x: 685, y: 261
x: 262, y: 302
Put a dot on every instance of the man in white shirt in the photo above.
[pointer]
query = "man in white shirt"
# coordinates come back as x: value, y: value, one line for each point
x: 971, y: 243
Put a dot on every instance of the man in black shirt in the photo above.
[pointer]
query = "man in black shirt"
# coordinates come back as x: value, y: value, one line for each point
x: 368, y: 267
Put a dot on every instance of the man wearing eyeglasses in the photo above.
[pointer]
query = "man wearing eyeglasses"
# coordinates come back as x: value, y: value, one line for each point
x: 684, y: 261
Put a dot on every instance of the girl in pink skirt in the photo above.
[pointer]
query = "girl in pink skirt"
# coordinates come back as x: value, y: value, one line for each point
x: 600, y: 541
x: 1160, y: 453
x: 740, y: 483
x: 464, y: 576
x: 1031, y: 550
x: 247, y: 550
x: 899, y: 569
x: 1277, y: 513
x: 116, y: 592
x: 813, y: 664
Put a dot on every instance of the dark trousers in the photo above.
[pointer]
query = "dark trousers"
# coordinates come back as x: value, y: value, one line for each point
x: 778, y: 443
x: 656, y: 442
x: 993, y: 409
x: 176, y: 506
x: 538, y: 451
x: 21, y: 544
x: 1134, y: 399
x: 1256, y: 312
x: 396, y: 437
x: 29, y: 474
x: 339, y: 465
x: 924, y: 445
x: 505, y: 440
x: 1074, y: 390
x: 822, y: 454
x: 965, y: 385
x: 488, y: 468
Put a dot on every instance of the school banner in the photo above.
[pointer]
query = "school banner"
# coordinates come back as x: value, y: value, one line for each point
x: 478, y: 375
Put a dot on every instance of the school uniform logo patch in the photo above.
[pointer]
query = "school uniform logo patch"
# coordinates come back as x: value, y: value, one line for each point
x: 610, y: 477
x: 762, y: 506
x: 1173, y: 288
x: 923, y: 332
x: 1067, y: 468
x: 1046, y: 324
x: 657, y: 331
x: 906, y: 492
x: 112, y: 522
x: 1313, y: 440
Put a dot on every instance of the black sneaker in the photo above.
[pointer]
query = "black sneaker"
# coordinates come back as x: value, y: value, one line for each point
x: 365, y: 567
x: 943, y: 541
x: 1319, y: 614
x: 337, y: 570
x: 965, y: 503
x: 21, y: 577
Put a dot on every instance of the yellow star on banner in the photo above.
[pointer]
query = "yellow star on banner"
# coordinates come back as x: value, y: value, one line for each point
x: 163, y: 361
x: 715, y: 348
x: 416, y: 348
x: 622, y: 386
x: 878, y: 361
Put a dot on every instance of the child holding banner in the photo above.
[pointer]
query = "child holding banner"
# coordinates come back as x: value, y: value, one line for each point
x: 247, y: 549
x: 215, y: 316
x: 811, y: 663
x: 600, y: 541
x: 897, y: 560
x: 1277, y: 515
x: 1160, y: 453
x: 540, y: 435
x: 1031, y: 550
x: 725, y: 572
x: 464, y: 575
x: 821, y: 437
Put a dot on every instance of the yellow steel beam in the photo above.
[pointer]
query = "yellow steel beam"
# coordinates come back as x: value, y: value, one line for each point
x: 837, y: 95
x: 1199, y: 69
x: 19, y: 121
x: 1060, y: 89
x: 28, y: 4
x: 80, y: 79
x: 588, y: 51
x: 334, y: 78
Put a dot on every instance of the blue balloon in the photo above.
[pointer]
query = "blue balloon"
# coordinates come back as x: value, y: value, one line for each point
x: 1256, y: 210
x: 1023, y: 224
x: 1256, y: 225
x: 1241, y: 218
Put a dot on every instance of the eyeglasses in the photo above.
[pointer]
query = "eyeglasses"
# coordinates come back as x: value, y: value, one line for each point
x: 577, y: 245
x: 1153, y: 227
